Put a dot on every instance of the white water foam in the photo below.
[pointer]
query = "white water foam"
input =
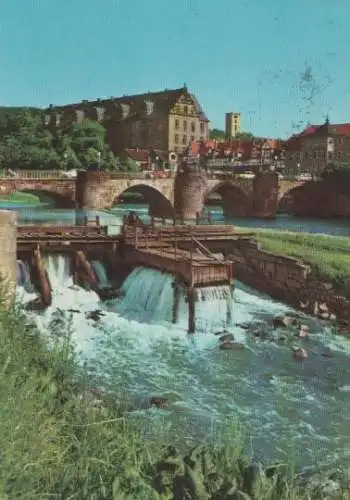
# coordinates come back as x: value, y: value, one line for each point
x: 134, y: 345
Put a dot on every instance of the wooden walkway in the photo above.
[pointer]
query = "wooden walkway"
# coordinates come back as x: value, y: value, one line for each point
x: 164, y: 248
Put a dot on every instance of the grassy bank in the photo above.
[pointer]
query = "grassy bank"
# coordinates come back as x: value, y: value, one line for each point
x: 328, y: 255
x: 25, y: 198
x: 57, y: 443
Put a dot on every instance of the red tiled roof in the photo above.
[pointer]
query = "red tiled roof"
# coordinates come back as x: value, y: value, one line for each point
x: 244, y: 146
x: 140, y: 155
x: 340, y: 128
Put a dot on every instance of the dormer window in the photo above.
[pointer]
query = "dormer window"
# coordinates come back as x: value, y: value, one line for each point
x: 125, y: 109
x: 185, y: 110
x: 80, y: 115
x: 149, y: 107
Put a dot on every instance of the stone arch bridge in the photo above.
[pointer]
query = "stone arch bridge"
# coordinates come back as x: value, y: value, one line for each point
x: 184, y: 196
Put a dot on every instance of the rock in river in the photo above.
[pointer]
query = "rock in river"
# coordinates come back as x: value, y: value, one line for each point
x: 285, y: 320
x: 226, y: 337
x: 231, y: 345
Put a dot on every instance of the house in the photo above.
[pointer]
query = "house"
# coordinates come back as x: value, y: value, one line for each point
x: 167, y: 120
x: 317, y: 146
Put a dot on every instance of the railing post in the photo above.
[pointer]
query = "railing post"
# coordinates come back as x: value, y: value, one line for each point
x: 176, y: 300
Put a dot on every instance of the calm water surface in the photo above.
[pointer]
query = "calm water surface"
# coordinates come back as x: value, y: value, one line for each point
x: 45, y: 215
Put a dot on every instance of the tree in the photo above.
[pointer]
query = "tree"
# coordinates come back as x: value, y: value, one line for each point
x: 85, y: 135
x: 130, y: 165
x: 216, y: 133
x: 25, y: 143
x: 70, y: 160
x: 109, y: 161
x: 90, y: 158
x: 244, y: 135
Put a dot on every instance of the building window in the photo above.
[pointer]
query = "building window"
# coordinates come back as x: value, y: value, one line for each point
x: 202, y: 127
x: 193, y: 127
x: 176, y: 138
x: 184, y: 139
x: 193, y: 138
x: 201, y: 138
x: 315, y: 155
x: 185, y: 110
x: 177, y: 124
x: 185, y: 125
x: 330, y: 156
x: 339, y: 155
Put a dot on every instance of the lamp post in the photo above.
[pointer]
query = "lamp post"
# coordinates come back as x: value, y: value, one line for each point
x: 65, y: 156
x: 98, y: 160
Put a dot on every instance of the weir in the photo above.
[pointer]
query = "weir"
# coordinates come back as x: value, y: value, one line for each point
x: 194, y: 255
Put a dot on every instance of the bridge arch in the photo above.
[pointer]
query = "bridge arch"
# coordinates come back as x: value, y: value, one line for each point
x: 292, y: 197
x: 159, y: 205
x: 233, y: 199
x: 55, y: 200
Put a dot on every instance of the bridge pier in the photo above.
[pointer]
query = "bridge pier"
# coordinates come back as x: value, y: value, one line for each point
x: 265, y: 195
x: 92, y: 189
x: 189, y: 192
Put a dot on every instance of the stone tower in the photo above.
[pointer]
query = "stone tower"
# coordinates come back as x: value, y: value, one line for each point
x: 8, y: 254
x: 190, y: 188
x: 232, y: 125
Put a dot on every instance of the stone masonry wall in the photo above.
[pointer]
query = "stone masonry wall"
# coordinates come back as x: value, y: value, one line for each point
x: 8, y: 249
x: 289, y: 280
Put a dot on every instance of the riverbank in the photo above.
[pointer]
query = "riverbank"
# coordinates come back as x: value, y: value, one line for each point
x: 25, y: 199
x: 60, y: 439
x: 308, y: 271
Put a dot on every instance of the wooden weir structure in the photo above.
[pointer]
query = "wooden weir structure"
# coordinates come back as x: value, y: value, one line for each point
x: 179, y: 250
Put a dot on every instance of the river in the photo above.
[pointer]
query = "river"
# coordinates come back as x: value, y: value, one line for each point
x: 135, y: 351
x: 29, y: 214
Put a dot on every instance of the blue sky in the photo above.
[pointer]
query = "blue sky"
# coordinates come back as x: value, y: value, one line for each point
x: 281, y: 63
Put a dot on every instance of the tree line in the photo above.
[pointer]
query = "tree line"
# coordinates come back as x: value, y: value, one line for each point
x: 26, y: 143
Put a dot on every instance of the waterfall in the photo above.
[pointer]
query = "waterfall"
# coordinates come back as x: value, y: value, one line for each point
x: 214, y: 293
x: 100, y: 272
x: 149, y: 297
x: 59, y: 270
x: 23, y: 276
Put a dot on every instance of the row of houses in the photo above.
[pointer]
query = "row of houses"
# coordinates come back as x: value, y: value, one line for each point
x: 156, y: 128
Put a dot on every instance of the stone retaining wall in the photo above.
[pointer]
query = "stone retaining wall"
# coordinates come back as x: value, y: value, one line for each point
x: 8, y: 244
x: 289, y: 280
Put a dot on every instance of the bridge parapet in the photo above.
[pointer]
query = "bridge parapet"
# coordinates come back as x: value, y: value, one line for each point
x: 33, y: 174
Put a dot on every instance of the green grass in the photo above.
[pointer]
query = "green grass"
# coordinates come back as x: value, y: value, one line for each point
x: 56, y: 445
x: 25, y: 198
x: 328, y: 255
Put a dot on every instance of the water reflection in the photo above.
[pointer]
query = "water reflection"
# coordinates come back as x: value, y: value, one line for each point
x: 44, y: 215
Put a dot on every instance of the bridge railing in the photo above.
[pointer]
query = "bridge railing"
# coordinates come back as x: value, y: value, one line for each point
x: 32, y: 174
